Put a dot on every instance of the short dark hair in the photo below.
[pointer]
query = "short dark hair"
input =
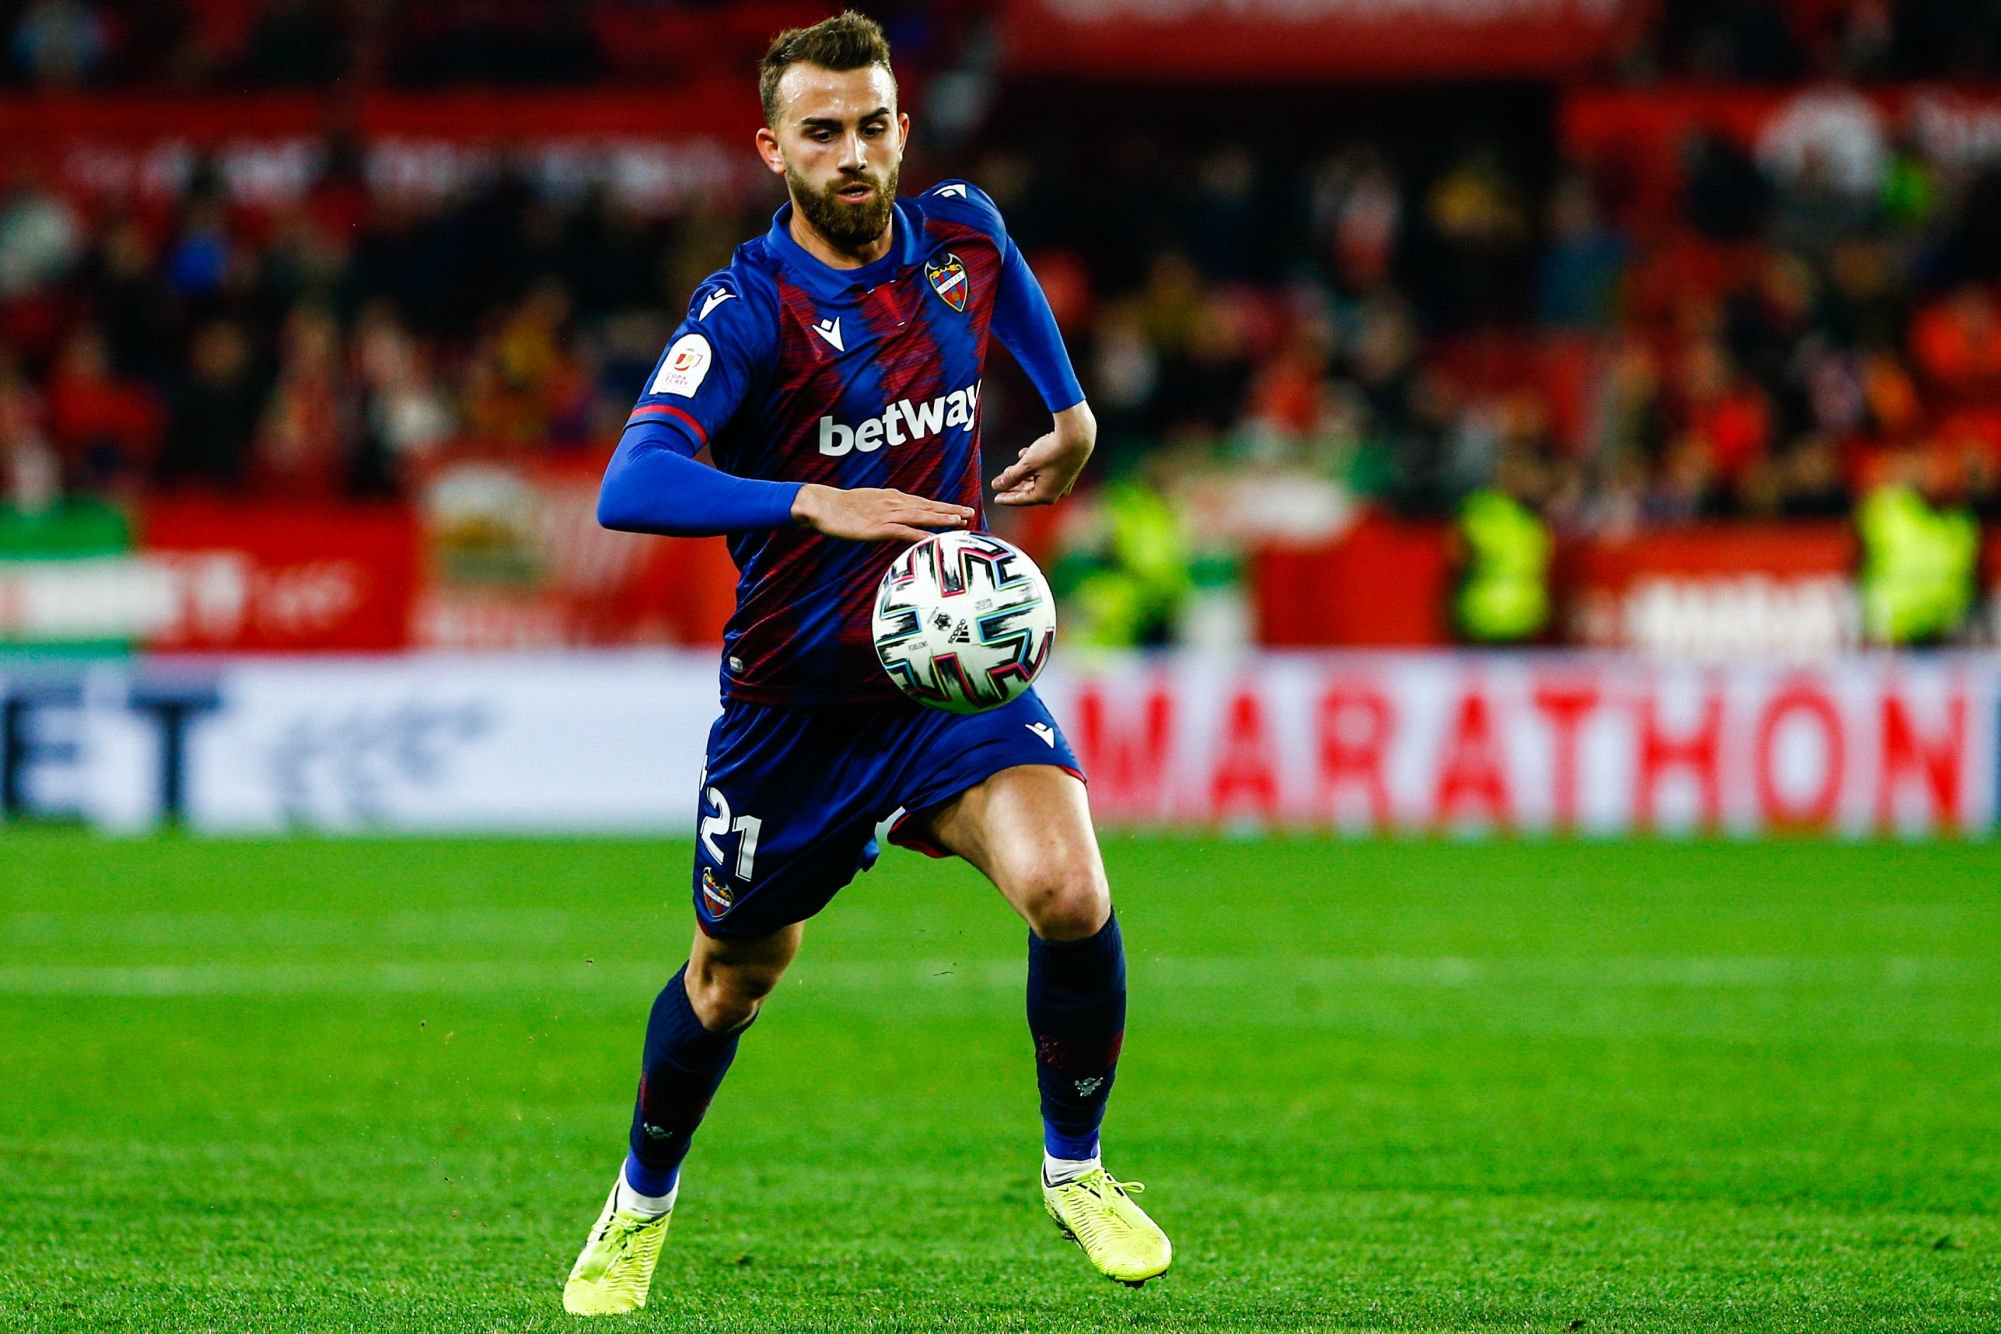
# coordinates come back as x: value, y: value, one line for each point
x: 846, y: 41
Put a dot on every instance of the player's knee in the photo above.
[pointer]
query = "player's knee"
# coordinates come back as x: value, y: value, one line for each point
x: 726, y: 998
x: 1064, y: 901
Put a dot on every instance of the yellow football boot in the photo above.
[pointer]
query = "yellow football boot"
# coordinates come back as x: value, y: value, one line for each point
x: 616, y: 1268
x: 1098, y: 1214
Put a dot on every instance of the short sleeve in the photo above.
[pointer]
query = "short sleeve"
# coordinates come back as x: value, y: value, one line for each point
x: 964, y: 202
x: 702, y: 378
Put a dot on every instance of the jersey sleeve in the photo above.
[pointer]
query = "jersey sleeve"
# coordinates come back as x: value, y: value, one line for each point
x: 1023, y: 321
x: 701, y: 379
x: 966, y: 203
x: 1026, y: 327
x: 654, y: 483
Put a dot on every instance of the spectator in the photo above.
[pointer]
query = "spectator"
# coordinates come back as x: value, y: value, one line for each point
x: 1577, y: 286
x: 59, y: 43
x: 199, y: 258
x: 1724, y: 196
x: 1475, y: 213
x: 310, y: 434
x: 406, y: 416
x: 106, y: 430
x: 30, y: 476
x: 1956, y: 343
x: 120, y: 276
x: 1357, y: 218
x: 1812, y: 486
x: 1726, y: 411
x: 41, y: 237
x: 215, y: 412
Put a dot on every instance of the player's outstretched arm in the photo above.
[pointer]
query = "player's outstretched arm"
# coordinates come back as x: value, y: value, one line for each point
x: 873, y: 514
x: 1047, y: 468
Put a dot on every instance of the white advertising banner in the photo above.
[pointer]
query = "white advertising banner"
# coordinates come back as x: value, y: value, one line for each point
x: 1541, y: 742
x: 1355, y: 742
x: 496, y: 743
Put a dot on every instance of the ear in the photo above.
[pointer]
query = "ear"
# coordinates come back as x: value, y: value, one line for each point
x: 902, y: 132
x: 767, y: 148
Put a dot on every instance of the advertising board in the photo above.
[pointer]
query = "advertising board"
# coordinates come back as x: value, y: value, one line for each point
x: 1358, y: 742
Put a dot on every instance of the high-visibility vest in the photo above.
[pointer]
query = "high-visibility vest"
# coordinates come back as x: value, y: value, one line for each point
x: 1146, y: 578
x: 1504, y: 596
x: 1919, y: 566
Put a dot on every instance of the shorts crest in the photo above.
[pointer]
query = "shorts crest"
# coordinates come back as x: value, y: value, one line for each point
x: 948, y: 278
x: 717, y: 896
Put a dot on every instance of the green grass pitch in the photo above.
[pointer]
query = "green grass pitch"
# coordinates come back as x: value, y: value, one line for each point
x: 382, y: 1085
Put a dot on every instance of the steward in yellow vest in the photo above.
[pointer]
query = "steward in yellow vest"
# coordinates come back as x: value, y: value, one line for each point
x: 1920, y: 566
x: 1129, y: 592
x: 1503, y: 595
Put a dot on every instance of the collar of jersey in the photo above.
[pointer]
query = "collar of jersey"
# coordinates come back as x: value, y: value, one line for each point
x: 824, y: 279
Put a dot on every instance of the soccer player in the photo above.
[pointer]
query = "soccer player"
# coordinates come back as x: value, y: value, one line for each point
x: 832, y: 375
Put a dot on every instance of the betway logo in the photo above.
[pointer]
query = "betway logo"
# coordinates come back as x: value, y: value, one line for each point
x: 901, y: 422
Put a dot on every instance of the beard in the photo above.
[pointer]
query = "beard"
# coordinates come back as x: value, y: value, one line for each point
x: 847, y: 225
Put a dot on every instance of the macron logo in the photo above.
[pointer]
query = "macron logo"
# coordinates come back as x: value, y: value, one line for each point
x: 714, y: 299
x: 1045, y: 731
x: 831, y: 331
x: 954, y: 191
x: 903, y: 421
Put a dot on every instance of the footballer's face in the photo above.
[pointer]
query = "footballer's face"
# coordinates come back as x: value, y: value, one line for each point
x: 839, y: 143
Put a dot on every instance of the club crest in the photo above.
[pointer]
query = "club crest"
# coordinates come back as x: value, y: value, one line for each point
x: 947, y: 275
x: 717, y: 896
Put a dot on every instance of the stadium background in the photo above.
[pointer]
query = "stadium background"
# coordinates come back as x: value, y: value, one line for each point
x: 1517, y: 418
x: 317, y: 320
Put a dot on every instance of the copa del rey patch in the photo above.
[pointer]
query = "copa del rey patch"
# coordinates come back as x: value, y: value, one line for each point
x: 684, y: 368
x: 947, y: 275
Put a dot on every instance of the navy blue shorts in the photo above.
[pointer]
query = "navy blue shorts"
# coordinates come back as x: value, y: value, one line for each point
x: 794, y: 802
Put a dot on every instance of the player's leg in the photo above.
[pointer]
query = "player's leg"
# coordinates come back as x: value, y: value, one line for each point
x: 1028, y: 829
x: 781, y: 826
x: 691, y: 1038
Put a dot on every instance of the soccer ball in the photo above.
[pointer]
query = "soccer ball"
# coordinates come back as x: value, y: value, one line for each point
x: 963, y: 622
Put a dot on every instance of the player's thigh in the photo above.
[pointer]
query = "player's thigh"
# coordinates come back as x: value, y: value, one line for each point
x: 1028, y: 829
x: 781, y: 827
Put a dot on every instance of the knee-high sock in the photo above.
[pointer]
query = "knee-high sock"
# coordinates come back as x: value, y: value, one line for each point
x: 683, y: 1067
x: 1077, y: 1015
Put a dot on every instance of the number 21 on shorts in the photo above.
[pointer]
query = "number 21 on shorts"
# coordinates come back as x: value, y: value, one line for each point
x: 745, y: 827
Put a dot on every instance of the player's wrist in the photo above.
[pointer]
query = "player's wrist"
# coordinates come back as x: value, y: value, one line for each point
x: 1076, y: 428
x: 807, y: 504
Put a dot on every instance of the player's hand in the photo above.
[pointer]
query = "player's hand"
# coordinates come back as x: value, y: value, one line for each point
x: 873, y: 514
x: 1044, y: 472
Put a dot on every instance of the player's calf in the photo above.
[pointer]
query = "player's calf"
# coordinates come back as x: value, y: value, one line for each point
x: 691, y: 1038
x: 727, y: 996
x: 1077, y: 1016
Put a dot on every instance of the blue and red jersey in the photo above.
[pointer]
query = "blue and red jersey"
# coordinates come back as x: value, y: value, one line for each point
x: 789, y: 371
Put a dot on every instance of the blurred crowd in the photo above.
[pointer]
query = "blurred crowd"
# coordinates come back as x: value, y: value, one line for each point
x: 1404, y: 323
x: 1774, y: 341
x: 190, y: 45
x: 208, y: 44
x: 324, y: 348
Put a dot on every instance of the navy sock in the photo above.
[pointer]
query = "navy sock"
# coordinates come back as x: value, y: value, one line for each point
x: 683, y: 1067
x: 1077, y: 1015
